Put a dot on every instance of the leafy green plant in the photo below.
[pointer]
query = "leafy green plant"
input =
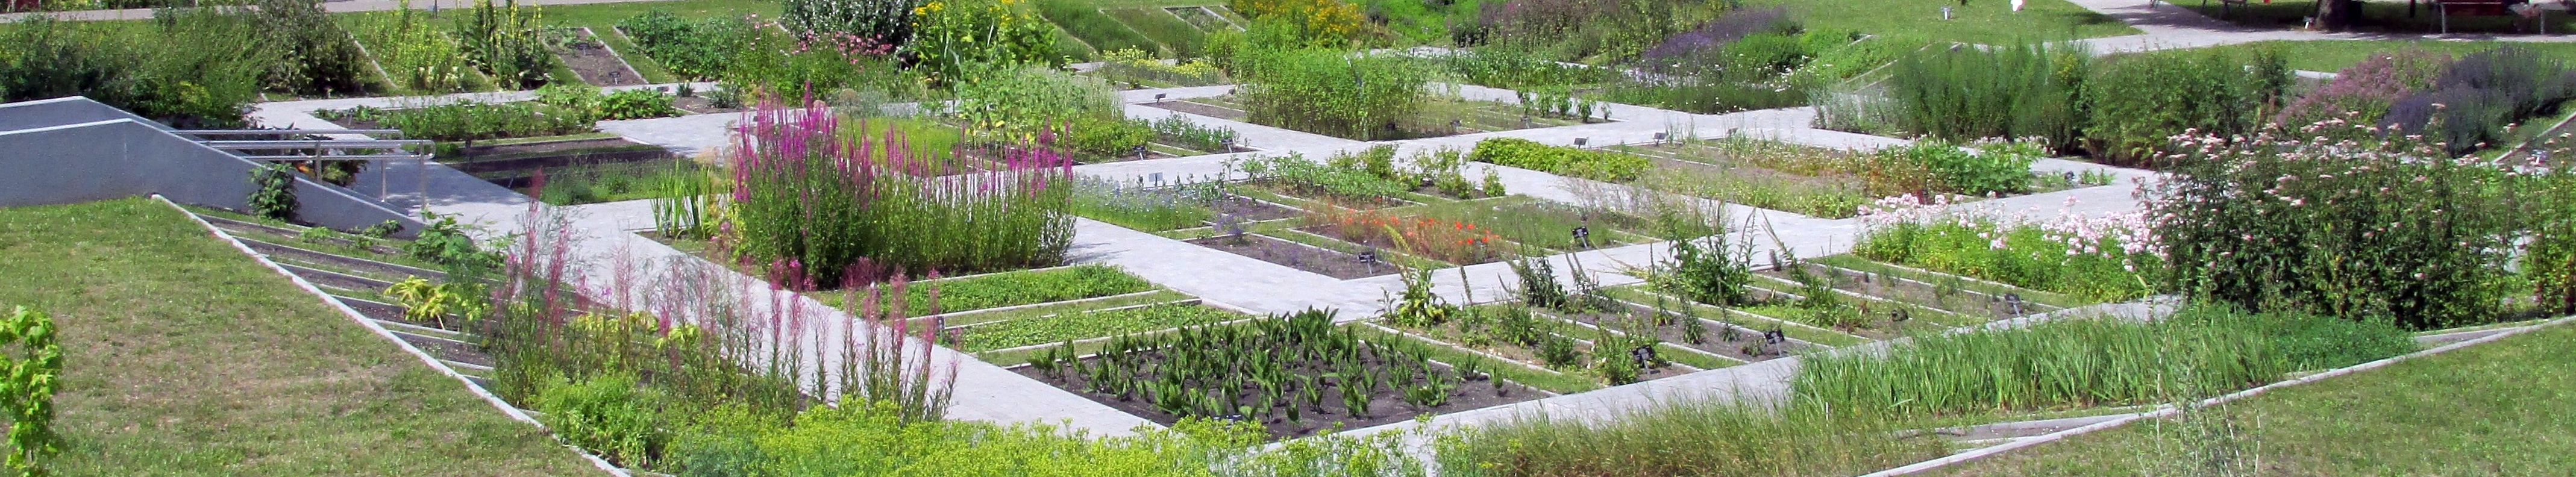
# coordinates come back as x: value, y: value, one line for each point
x: 636, y: 104
x: 504, y: 41
x: 443, y: 241
x: 1022, y: 288
x: 1189, y: 134
x: 1964, y: 93
x: 1560, y: 160
x: 1309, y: 176
x: 1018, y: 104
x: 691, y: 49
x: 1148, y: 207
x: 881, y: 22
x: 2000, y: 168
x: 1418, y: 307
x: 273, y: 192
x: 609, y: 415
x: 27, y: 389
x: 957, y: 38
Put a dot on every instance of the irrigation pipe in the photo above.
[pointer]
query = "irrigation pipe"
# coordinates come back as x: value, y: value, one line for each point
x: 370, y: 324
x: 2169, y: 410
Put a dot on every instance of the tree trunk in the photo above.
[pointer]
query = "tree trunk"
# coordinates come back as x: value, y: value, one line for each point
x: 2338, y: 15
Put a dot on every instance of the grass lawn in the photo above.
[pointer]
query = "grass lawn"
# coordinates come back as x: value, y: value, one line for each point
x: 185, y: 357
x: 2333, y: 55
x: 1981, y: 21
x: 2499, y: 408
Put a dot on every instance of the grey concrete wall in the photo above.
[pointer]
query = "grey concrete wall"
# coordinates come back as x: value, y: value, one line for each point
x: 124, y: 157
x: 62, y: 111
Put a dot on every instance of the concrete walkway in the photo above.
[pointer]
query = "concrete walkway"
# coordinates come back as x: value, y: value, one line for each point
x: 2169, y: 26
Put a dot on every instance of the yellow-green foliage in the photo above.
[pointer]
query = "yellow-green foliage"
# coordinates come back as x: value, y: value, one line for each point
x: 1560, y: 160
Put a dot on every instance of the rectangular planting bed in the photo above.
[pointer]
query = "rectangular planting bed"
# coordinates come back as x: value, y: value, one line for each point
x: 1296, y: 376
x: 1440, y: 117
x: 1807, y: 180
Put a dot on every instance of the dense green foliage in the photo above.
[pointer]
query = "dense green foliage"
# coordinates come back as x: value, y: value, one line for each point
x: 29, y: 374
x: 1682, y: 437
x: 2386, y: 229
x: 691, y: 49
x: 2103, y: 259
x: 2050, y: 365
x: 272, y: 193
x: 1560, y: 160
x: 196, y: 72
x: 506, y: 42
x: 2137, y: 103
x: 1060, y: 328
x: 1022, y: 288
x: 2014, y: 91
x: 1359, y: 96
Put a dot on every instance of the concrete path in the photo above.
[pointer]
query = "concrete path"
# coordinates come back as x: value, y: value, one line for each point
x: 2169, y: 26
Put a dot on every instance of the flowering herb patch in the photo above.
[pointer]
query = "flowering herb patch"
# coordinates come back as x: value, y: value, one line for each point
x: 2104, y: 258
x: 1449, y: 241
x: 1295, y: 375
x: 1838, y: 184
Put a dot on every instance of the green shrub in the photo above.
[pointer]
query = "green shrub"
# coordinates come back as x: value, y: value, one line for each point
x: 35, y: 367
x: 609, y: 415
x: 636, y: 104
x: 2001, y: 168
x: 1018, y: 103
x: 504, y: 41
x: 2483, y: 93
x: 1560, y: 160
x: 2139, y: 102
x: 273, y: 192
x: 2346, y: 228
x: 196, y: 72
x: 1105, y: 137
x: 884, y: 22
x: 958, y: 36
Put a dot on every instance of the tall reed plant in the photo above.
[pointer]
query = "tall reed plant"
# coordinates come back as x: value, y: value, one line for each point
x: 820, y: 207
x: 1966, y: 93
x: 1359, y: 96
x: 2050, y: 365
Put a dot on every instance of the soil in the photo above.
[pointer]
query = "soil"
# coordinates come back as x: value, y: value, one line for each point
x: 1298, y: 256
x: 1202, y: 109
x: 596, y: 65
x: 391, y: 312
x: 1358, y: 203
x: 1964, y: 303
x: 240, y: 227
x: 1713, y: 339
x: 1385, y: 407
x: 1251, y: 209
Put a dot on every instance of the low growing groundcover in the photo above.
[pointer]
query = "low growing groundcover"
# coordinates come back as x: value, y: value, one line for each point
x: 184, y: 357
x: 2498, y: 408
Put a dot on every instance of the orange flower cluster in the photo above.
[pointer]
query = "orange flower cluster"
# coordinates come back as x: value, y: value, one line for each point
x: 1444, y: 240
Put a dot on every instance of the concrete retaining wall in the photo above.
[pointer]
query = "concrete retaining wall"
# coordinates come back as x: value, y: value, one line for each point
x: 76, y: 150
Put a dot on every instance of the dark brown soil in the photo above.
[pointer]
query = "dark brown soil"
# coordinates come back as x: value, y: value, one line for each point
x: 239, y: 227
x: 447, y: 350
x: 336, y: 279
x: 1964, y: 303
x: 1247, y: 208
x: 1298, y: 256
x: 596, y: 65
x: 1386, y: 406
x: 1202, y: 109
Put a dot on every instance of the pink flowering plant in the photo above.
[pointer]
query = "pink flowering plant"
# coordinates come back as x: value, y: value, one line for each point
x: 2367, y: 229
x: 2105, y: 257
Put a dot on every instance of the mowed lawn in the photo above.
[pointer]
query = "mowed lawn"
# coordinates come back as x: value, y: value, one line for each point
x: 185, y: 357
x: 2501, y: 408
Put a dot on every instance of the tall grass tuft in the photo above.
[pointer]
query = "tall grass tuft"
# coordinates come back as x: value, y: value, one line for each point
x: 1685, y: 437
x: 2051, y: 365
x: 820, y: 207
x: 1965, y: 93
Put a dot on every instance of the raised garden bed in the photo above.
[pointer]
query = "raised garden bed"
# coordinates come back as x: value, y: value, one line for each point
x: 1321, y: 261
x: 1295, y: 376
x: 593, y: 61
x: 1801, y: 179
x: 1452, y: 115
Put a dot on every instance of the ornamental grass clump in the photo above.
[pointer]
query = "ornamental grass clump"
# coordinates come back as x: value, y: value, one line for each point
x: 813, y: 204
x: 2359, y: 229
x: 1965, y: 93
x: 2057, y: 364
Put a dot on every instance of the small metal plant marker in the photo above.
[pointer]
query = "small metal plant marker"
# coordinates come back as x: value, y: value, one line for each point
x: 1582, y: 236
x: 2014, y: 299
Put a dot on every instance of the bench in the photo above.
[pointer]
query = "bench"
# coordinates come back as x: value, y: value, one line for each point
x: 2483, y: 8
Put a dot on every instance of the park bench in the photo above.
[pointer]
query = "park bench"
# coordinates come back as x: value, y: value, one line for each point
x: 2486, y: 8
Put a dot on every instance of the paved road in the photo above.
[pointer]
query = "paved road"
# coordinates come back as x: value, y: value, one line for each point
x: 330, y: 6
